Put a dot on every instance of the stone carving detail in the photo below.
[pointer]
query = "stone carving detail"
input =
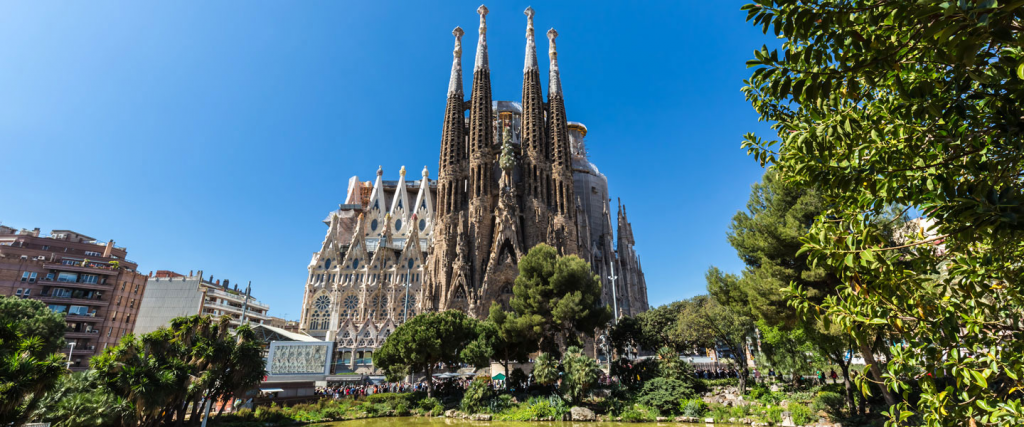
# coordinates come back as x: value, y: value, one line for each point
x: 298, y: 359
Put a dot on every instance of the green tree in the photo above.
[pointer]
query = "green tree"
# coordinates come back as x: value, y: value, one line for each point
x: 424, y: 342
x: 507, y: 337
x: 767, y: 238
x: 580, y: 375
x: 626, y: 333
x: 562, y: 294
x: 705, y: 322
x: 30, y: 336
x: 914, y: 104
x: 194, y: 360
x: 545, y: 369
x: 79, y: 400
x: 657, y: 327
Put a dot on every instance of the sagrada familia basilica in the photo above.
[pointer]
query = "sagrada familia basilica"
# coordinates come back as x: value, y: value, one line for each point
x: 511, y: 176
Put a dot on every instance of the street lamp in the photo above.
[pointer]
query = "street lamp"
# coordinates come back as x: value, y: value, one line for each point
x: 615, y: 299
x: 69, y: 354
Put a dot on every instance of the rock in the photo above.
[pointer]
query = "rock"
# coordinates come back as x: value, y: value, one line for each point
x: 660, y: 419
x: 582, y: 414
x: 774, y: 388
x: 480, y: 417
x: 450, y: 413
x: 709, y: 420
x: 787, y: 420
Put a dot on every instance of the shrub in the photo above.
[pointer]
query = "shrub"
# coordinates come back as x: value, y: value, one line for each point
x: 801, y: 414
x: 477, y: 396
x: 693, y: 408
x: 719, y: 412
x: 722, y: 382
x: 501, y: 403
x: 774, y: 414
x: 581, y: 374
x: 429, y: 403
x: 664, y: 394
x: 401, y: 410
x: 639, y: 412
x: 832, y: 403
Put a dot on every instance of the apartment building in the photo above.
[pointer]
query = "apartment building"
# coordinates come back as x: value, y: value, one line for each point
x: 173, y: 295
x: 94, y: 284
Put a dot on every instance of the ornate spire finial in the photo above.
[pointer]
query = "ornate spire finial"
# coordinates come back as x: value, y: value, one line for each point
x: 380, y: 170
x: 554, y: 83
x: 402, y: 171
x: 531, y: 47
x: 481, y: 45
x: 426, y: 173
x: 455, y: 82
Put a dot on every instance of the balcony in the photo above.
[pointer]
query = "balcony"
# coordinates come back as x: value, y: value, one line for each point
x: 82, y: 334
x: 77, y: 285
x: 80, y: 350
x: 91, y: 317
x: 80, y: 269
x: 93, y: 302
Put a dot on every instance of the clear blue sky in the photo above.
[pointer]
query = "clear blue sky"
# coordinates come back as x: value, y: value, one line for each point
x: 217, y: 135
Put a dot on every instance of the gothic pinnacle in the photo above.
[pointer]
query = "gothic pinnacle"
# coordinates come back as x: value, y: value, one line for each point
x: 554, y: 84
x: 455, y: 83
x: 481, y: 44
x: 531, y: 47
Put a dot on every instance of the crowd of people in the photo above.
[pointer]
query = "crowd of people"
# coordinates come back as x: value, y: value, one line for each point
x: 366, y: 389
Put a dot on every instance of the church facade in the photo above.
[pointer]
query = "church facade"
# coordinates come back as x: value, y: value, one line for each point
x: 510, y: 176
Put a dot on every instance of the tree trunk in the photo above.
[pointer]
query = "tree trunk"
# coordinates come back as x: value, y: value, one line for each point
x: 849, y: 387
x: 228, y: 397
x: 430, y: 380
x: 876, y: 372
x: 197, y: 407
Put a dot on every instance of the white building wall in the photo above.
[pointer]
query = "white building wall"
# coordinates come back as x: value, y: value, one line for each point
x: 165, y: 299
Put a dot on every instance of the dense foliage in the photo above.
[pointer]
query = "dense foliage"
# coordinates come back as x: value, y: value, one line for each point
x: 507, y: 337
x: 561, y: 294
x: 915, y: 104
x: 705, y: 322
x: 425, y: 341
x: 30, y: 336
x: 160, y: 374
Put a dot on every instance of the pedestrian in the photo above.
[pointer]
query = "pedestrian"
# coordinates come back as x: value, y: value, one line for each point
x: 834, y: 376
x: 821, y: 377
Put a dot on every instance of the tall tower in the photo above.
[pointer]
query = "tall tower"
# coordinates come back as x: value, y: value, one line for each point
x: 482, y: 185
x: 535, y: 162
x: 452, y: 200
x: 562, y: 229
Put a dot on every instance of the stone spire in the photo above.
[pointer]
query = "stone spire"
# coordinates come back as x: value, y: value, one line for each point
x: 482, y: 183
x: 536, y: 157
x: 451, y: 170
x: 481, y: 44
x: 554, y: 83
x: 455, y: 82
x: 531, y: 46
x: 563, y: 204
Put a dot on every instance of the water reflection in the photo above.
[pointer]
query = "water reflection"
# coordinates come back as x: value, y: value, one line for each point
x: 438, y: 422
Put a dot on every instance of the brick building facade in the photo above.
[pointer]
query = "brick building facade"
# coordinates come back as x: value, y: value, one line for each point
x: 94, y: 284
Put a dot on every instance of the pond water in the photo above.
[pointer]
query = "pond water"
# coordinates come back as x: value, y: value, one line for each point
x: 450, y: 422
